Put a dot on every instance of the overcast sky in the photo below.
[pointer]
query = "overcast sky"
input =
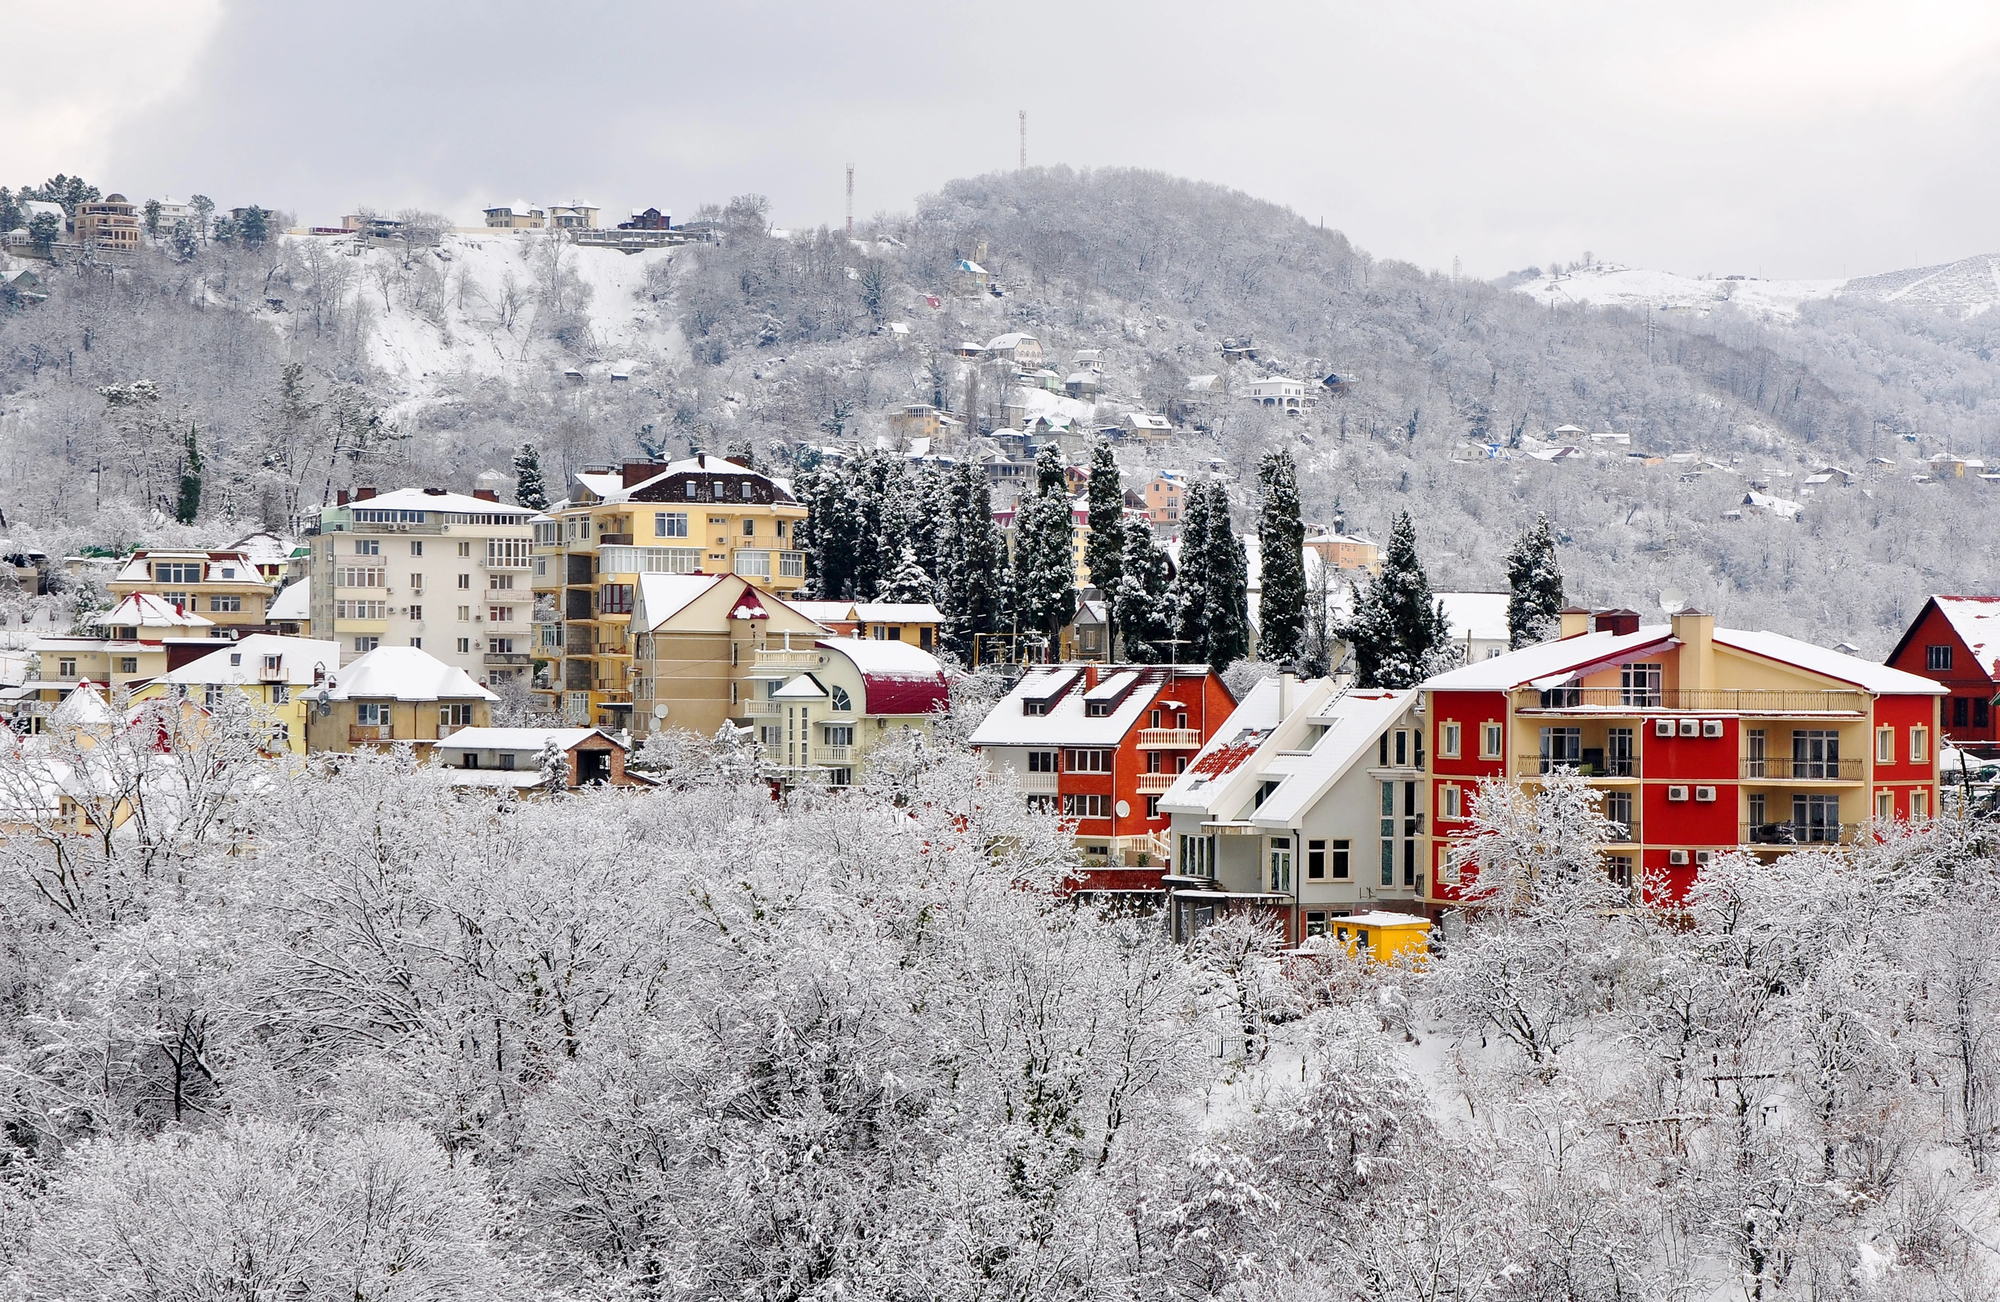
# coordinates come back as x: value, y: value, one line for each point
x: 1802, y: 139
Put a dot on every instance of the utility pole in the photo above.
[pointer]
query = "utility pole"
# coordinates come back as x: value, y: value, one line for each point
x: 850, y: 201
x: 1024, y: 140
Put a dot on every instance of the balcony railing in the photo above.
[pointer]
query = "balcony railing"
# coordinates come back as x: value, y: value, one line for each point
x: 509, y: 658
x: 1797, y: 833
x: 1169, y: 739
x: 1771, y: 769
x: 761, y: 708
x: 648, y: 560
x: 1152, y: 784
x: 1745, y: 700
x: 1589, y: 766
x: 1039, y: 784
x: 792, y: 658
x: 359, y: 733
x: 833, y: 754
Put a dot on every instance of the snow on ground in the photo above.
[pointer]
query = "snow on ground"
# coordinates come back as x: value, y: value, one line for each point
x: 1611, y: 285
x: 1971, y: 285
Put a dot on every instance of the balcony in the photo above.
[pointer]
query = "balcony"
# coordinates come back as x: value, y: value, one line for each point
x: 833, y: 754
x: 360, y: 734
x: 1789, y: 834
x: 649, y: 560
x: 1590, y: 765
x: 761, y: 709
x: 1152, y: 784
x: 1169, y: 739
x: 518, y: 658
x: 614, y: 540
x: 792, y: 658
x: 1038, y: 784
x: 1800, y: 770
x: 1746, y: 700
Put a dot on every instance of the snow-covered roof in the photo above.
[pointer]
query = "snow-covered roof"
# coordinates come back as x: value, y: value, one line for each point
x: 1865, y: 674
x: 216, y: 566
x: 424, y: 499
x: 293, y: 604
x: 1067, y: 723
x: 265, y: 547
x: 1481, y: 616
x: 146, y: 610
x: 826, y: 612
x: 803, y: 688
x: 898, y: 612
x: 84, y: 705
x: 1012, y: 339
x: 523, y: 739
x: 405, y: 673
x: 242, y: 662
x: 611, y: 487
x: 899, y: 678
x: 1976, y: 620
x: 662, y: 596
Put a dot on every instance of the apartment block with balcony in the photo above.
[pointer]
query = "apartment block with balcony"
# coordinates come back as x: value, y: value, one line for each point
x: 1101, y: 744
x: 277, y: 674
x: 394, y: 695
x: 704, y: 515
x: 1307, y: 806
x: 1702, y: 740
x: 441, y: 572
x: 226, y: 588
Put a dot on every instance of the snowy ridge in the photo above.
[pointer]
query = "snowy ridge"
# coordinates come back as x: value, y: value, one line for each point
x: 1970, y: 284
x: 1611, y: 285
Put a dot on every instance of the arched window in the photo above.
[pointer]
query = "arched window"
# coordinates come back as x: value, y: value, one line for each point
x: 841, y: 700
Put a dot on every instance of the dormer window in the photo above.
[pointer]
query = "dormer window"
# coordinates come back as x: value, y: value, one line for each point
x: 1098, y: 709
x: 1034, y: 707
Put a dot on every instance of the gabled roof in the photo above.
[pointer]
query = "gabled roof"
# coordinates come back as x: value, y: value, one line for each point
x: 299, y: 657
x: 136, y: 568
x: 898, y: 678
x: 423, y: 499
x: 1067, y: 722
x: 1865, y: 674
x: 898, y: 612
x: 405, y: 673
x: 803, y: 688
x: 293, y: 604
x: 722, y: 597
x: 148, y: 610
x: 1976, y: 620
x: 610, y: 486
x: 524, y: 739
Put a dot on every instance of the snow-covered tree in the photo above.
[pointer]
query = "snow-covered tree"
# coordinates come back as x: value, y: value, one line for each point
x: 1104, y: 545
x: 1226, y: 610
x: 1281, y: 604
x: 1044, y: 563
x: 1535, y: 587
x: 553, y: 764
x: 907, y: 582
x: 1144, y: 599
x: 1397, y: 627
x: 529, y: 489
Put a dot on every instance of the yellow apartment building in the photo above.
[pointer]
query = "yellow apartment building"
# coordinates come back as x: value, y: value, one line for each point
x: 275, y: 673
x: 392, y: 695
x: 704, y: 515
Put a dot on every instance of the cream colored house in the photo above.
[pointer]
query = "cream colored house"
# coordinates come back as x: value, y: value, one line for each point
x: 394, y: 694
x: 696, y: 647
x: 225, y: 587
x: 516, y: 216
x: 824, y: 705
x: 421, y: 567
x: 276, y: 673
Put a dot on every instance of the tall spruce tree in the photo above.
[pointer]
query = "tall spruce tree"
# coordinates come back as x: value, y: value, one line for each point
x: 189, y: 505
x: 1281, y: 537
x: 972, y: 564
x: 1191, y: 585
x: 1228, y: 613
x: 1104, y: 548
x: 1045, y: 565
x: 1143, y: 603
x: 1535, y: 587
x: 529, y: 489
x: 1399, y: 631
x: 907, y: 582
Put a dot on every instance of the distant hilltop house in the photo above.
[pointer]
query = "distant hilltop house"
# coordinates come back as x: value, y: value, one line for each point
x: 972, y: 278
x: 1021, y: 349
x: 515, y: 216
x: 1344, y: 551
x: 1279, y: 392
x: 576, y: 215
x: 648, y: 219
x: 110, y: 224
x: 920, y: 420
x: 1765, y: 504
x: 1147, y: 425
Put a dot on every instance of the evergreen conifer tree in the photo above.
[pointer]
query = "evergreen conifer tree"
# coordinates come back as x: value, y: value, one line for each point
x: 529, y: 490
x: 907, y: 582
x: 1399, y: 630
x: 972, y: 560
x: 1191, y: 585
x: 1104, y: 548
x: 1143, y: 601
x: 831, y: 531
x: 1535, y: 587
x: 254, y: 227
x: 1228, y: 612
x: 1281, y: 537
x: 1045, y: 567
x: 189, y: 505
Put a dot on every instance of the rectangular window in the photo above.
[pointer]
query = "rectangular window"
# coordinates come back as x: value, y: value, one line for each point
x: 1815, y: 753
x: 1041, y: 761
x: 416, y: 584
x: 1639, y: 684
x: 1448, y: 740
x: 1920, y: 805
x: 499, y: 583
x: 1388, y: 834
x: 1816, y: 818
x: 749, y: 528
x: 1152, y: 807
x: 226, y: 604
x: 508, y: 553
x: 361, y: 576
x: 1489, y: 741
x: 1448, y: 802
x: 670, y: 524
x: 1920, y: 745
x: 177, y: 572
x: 465, y: 548
x: 614, y: 599
x: 456, y: 715
x: 416, y: 612
x: 128, y: 664
x: 1618, y: 809
x: 360, y: 609
x: 1619, y: 867
x: 66, y: 667
x: 366, y: 644
x: 1885, y: 745
x: 416, y: 547
x: 1087, y: 761
x: 1342, y: 850
x: 753, y: 565
x: 499, y: 614
x: 464, y: 645
x: 1937, y: 659
x: 1960, y: 712
x: 465, y: 581
x: 1885, y: 807
x: 1280, y: 855
x: 1758, y: 817
x: 791, y: 565
x: 367, y: 546
x: 1315, y: 860
x: 503, y: 645
x: 1979, y: 713
x: 417, y: 642
x: 1086, y: 806
x: 1620, y: 753
x: 1754, y: 756
x: 1562, y: 748
x: 464, y: 613
x: 371, y: 714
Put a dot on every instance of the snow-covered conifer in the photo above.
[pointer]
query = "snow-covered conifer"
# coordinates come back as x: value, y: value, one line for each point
x: 1143, y: 603
x: 1104, y: 546
x: 529, y: 489
x: 1281, y: 604
x: 1398, y: 627
x: 1227, y: 614
x: 1535, y: 587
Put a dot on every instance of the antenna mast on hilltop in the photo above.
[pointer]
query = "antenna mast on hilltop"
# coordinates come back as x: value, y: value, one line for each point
x: 1024, y: 140
x: 850, y: 201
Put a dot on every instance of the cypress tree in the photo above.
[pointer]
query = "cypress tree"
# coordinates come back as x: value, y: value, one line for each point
x: 1398, y: 628
x: 1104, y: 548
x: 1281, y: 607
x: 189, y: 504
x: 1191, y: 584
x: 1535, y: 587
x: 1228, y: 611
x: 1143, y: 602
x: 529, y: 489
x: 1045, y: 565
x: 972, y: 563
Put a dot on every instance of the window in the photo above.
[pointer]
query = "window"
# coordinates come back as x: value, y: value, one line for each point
x: 1489, y: 741
x: 361, y: 610
x: 1448, y: 740
x: 499, y: 614
x: 1619, y: 868
x: 1561, y: 748
x: 1281, y: 864
x: 1815, y: 753
x: 1093, y: 709
x: 1388, y: 834
x: 1086, y: 806
x: 1041, y: 761
x: 465, y: 548
x: 416, y: 547
x: 503, y: 645
x: 1960, y: 712
x: 1264, y: 790
x: 177, y: 573
x: 690, y: 489
x: 749, y: 528
x: 235, y: 659
x: 1316, y: 922
x: 280, y: 693
x: 1816, y: 818
x: 1885, y: 806
x: 464, y: 613
x: 1152, y: 807
x: 1937, y: 658
x: 66, y: 666
x: 367, y: 546
x: 361, y: 576
x: 840, y: 735
x: 754, y: 565
x: 1885, y: 745
x: 1920, y: 805
x: 1449, y: 799
x: 1753, y: 753
x: 499, y: 583
x: 1639, y: 684
x: 614, y: 599
x: 1315, y: 860
x: 1618, y: 810
x: 1198, y: 857
x: 842, y: 701
x: 791, y: 565
x: 371, y: 714
x: 464, y: 645
x: 670, y: 524
x: 1087, y: 761
x: 366, y: 644
x: 416, y: 584
x: 1979, y: 713
x: 1402, y: 748
x: 1620, y: 755
x: 228, y: 604
x: 512, y: 553
x: 128, y: 664
x: 1341, y: 853
x: 465, y: 581
x: 456, y: 715
x: 1756, y: 804
x: 1920, y: 745
x: 417, y: 642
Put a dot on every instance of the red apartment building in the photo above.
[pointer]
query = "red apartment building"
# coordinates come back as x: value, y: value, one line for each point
x: 1701, y: 739
x: 1956, y: 641
x: 1101, y: 744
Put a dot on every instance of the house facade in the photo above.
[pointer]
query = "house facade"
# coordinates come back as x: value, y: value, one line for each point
x: 423, y: 568
x: 275, y: 673
x: 1305, y: 807
x: 1955, y: 642
x: 1101, y: 744
x: 516, y: 216
x: 705, y: 515
x: 511, y: 758
x: 111, y: 223
x: 226, y: 588
x: 820, y: 707
x: 394, y: 695
x: 696, y: 640
x: 1701, y: 739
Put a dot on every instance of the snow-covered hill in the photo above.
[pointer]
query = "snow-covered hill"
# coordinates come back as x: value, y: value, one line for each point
x: 1970, y: 284
x: 1611, y: 285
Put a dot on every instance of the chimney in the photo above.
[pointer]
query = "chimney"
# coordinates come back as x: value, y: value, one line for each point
x: 1287, y: 689
x: 638, y: 472
x: 1696, y: 634
x: 363, y: 494
x: 1089, y: 677
x: 486, y: 495
x: 340, y: 497
x: 701, y: 460
x: 1575, y: 621
x: 1620, y: 622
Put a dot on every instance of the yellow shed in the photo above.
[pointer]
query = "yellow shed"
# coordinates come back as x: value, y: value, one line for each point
x: 1384, y: 937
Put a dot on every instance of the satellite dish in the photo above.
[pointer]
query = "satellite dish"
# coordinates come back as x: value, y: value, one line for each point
x: 1672, y: 601
x: 660, y: 711
x: 1124, y: 810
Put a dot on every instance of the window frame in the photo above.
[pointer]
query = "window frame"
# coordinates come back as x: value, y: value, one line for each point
x: 1448, y: 740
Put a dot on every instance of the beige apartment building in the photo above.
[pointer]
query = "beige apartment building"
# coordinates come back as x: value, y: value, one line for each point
x: 704, y: 515
x: 442, y: 572
x: 224, y: 587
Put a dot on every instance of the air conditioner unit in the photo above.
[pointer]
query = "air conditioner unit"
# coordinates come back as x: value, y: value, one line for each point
x: 1677, y: 857
x: 1701, y: 857
x: 1705, y: 794
x: 1677, y: 793
x: 1663, y: 727
x: 1690, y: 727
x: 1711, y: 727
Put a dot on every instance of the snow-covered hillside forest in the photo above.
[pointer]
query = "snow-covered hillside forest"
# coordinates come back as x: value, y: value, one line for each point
x: 303, y: 369
x: 348, y: 1032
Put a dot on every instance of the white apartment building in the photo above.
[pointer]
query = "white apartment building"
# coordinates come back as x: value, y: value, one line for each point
x: 426, y: 568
